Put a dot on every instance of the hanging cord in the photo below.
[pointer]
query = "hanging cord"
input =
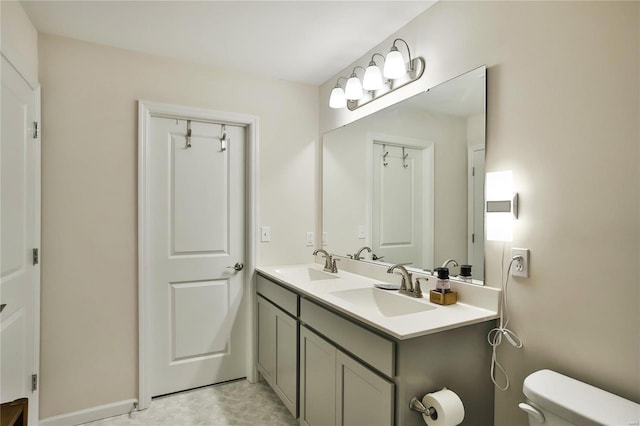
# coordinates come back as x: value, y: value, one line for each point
x: 495, y: 335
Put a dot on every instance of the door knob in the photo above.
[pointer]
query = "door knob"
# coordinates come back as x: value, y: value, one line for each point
x: 238, y: 266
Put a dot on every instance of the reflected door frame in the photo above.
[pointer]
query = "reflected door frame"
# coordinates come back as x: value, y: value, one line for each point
x: 475, y: 210
x: 147, y: 109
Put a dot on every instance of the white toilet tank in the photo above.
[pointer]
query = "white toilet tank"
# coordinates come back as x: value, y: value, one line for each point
x: 557, y: 400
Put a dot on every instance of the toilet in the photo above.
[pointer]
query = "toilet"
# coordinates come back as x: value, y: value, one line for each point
x: 557, y: 400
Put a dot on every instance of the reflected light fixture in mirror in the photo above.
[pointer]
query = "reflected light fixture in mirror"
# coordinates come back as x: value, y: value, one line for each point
x: 395, y: 69
x: 502, y: 206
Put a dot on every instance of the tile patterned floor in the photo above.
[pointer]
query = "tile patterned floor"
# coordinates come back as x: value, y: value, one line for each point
x: 236, y: 403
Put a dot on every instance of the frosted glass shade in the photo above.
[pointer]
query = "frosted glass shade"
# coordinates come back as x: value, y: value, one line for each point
x: 337, y: 99
x: 353, y: 89
x: 499, y: 187
x: 372, y: 78
x: 394, y: 65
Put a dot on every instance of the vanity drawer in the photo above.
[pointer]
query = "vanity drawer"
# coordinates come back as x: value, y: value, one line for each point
x: 375, y: 350
x: 285, y: 299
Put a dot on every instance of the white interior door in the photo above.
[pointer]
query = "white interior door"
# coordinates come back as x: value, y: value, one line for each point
x: 399, y: 213
x: 196, y: 236
x: 19, y: 212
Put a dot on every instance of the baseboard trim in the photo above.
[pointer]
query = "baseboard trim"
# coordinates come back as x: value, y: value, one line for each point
x: 90, y: 414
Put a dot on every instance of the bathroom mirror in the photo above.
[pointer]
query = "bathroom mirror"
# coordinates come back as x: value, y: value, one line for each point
x: 408, y: 180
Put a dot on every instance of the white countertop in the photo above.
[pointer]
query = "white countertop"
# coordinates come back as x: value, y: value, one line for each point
x: 401, y: 327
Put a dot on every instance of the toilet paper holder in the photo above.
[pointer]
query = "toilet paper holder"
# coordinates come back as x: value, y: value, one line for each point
x: 416, y: 405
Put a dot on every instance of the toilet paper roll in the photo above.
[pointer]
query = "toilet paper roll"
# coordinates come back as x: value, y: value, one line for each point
x: 448, y: 406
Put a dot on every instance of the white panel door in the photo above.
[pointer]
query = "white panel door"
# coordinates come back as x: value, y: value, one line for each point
x: 196, y: 236
x: 18, y: 210
x: 398, y: 213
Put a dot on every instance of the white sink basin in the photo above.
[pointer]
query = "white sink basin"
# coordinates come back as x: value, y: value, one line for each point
x: 381, y: 302
x: 306, y: 274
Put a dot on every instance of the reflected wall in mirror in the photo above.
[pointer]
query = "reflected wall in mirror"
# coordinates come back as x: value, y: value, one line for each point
x: 408, y: 181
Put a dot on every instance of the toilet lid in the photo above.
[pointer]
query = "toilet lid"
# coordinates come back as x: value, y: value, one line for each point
x: 578, y: 402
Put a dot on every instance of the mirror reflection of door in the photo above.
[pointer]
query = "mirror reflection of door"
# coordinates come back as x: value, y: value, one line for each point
x: 402, y: 200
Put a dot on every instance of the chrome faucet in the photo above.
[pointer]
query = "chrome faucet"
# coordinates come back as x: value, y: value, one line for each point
x: 329, y: 261
x: 359, y: 252
x: 452, y: 261
x: 406, y: 286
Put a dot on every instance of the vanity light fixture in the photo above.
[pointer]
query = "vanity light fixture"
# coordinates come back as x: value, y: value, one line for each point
x: 337, y: 98
x: 394, y: 66
x: 372, y: 76
x: 398, y: 72
x: 501, y: 206
x: 353, y: 89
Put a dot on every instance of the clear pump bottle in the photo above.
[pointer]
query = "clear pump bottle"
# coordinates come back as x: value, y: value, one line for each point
x: 442, y: 283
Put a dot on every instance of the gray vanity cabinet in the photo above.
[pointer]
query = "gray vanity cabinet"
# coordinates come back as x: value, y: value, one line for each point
x: 356, y: 390
x: 341, y: 372
x: 363, y: 397
x: 317, y: 380
x: 335, y: 389
x: 278, y: 348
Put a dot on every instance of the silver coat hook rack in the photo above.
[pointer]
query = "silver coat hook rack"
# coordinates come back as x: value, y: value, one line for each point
x: 384, y: 156
x: 404, y: 159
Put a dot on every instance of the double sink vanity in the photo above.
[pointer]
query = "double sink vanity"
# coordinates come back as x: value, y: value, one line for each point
x: 407, y: 182
x: 339, y: 351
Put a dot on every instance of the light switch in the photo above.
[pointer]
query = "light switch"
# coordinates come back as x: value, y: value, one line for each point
x: 265, y: 234
x: 310, y: 239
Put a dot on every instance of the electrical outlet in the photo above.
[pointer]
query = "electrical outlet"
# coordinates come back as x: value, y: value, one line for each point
x: 310, y: 239
x: 520, y: 267
x: 265, y: 234
x: 362, y: 234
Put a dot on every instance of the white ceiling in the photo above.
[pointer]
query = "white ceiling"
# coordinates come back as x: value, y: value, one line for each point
x: 303, y: 41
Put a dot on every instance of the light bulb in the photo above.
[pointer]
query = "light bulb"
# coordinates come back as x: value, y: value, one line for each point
x: 372, y: 78
x: 394, y: 64
x: 337, y: 99
x: 353, y: 89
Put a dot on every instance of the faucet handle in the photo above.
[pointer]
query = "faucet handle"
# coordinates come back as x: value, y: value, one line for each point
x: 416, y: 287
x: 334, y: 267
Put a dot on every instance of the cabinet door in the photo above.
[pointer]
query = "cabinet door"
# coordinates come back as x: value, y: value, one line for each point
x: 286, y: 374
x: 266, y: 339
x: 362, y: 397
x: 317, y: 380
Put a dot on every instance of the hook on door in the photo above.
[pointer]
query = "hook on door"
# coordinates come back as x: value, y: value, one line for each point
x: 223, y: 138
x: 188, y: 134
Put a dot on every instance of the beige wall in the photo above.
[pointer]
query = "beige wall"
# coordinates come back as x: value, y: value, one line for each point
x: 19, y: 39
x: 89, y: 214
x: 563, y: 114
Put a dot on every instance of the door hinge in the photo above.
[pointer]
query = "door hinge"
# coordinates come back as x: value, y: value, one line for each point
x: 36, y: 257
x: 36, y: 130
x: 473, y: 171
x: 34, y: 382
x: 473, y: 238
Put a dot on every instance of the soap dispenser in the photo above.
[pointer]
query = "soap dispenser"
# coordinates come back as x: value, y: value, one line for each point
x: 465, y: 272
x: 442, y: 283
x: 442, y: 294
